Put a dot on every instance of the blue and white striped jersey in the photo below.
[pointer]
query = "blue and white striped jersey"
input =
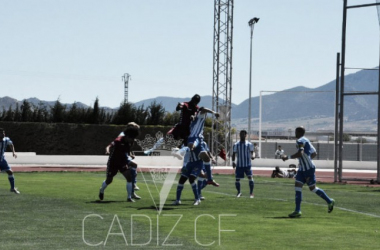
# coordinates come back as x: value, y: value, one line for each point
x: 305, y: 161
x: 191, y: 156
x: 243, y: 151
x: 196, y: 126
x: 3, y: 146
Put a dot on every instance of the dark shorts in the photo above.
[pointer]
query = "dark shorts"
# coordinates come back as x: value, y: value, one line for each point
x: 4, y: 166
x: 113, y: 168
x: 240, y: 171
x: 307, y: 177
x: 180, y: 132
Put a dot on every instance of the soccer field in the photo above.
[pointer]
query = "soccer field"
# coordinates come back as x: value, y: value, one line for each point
x: 62, y: 211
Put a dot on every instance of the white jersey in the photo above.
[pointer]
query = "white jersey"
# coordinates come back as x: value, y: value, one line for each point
x: 305, y: 161
x: 243, y: 151
x: 3, y: 146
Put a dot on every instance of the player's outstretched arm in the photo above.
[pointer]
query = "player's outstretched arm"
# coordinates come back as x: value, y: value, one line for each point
x: 294, y: 156
x: 206, y: 110
x: 13, y: 151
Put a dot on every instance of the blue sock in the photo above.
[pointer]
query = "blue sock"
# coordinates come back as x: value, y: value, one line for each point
x: 195, y: 190
x: 208, y: 170
x: 204, y: 183
x: 298, y: 199
x: 237, y: 185
x: 11, y: 179
x: 322, y: 194
x: 251, y: 186
x: 200, y: 186
x: 179, y: 191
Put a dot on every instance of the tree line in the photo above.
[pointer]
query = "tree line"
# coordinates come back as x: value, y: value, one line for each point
x: 154, y: 114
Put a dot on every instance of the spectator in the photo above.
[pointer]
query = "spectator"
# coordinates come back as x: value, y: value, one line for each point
x: 256, y: 150
x: 279, y: 152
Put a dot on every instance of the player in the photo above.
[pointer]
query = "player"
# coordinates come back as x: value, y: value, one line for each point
x: 202, y: 178
x: 133, y: 171
x: 4, y: 167
x: 245, y: 153
x: 279, y: 152
x: 120, y: 160
x: 196, y: 138
x: 182, y: 129
x: 306, y: 172
x: 284, y: 173
x: 192, y: 166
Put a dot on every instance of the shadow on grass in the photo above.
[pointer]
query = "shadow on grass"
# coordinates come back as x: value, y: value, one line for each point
x: 155, y: 208
x: 282, y: 217
x: 104, y: 202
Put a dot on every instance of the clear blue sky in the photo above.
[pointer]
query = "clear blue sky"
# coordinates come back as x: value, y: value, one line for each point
x: 77, y: 50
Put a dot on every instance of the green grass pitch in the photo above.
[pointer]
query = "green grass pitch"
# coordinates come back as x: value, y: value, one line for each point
x: 61, y: 211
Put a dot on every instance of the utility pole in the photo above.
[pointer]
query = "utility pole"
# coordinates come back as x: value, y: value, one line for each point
x: 125, y: 78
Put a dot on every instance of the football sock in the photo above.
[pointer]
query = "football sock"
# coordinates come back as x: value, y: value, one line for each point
x: 179, y: 191
x: 195, y: 190
x: 298, y: 198
x: 11, y: 179
x: 129, y: 189
x: 322, y: 194
x: 200, y: 186
x: 251, y: 186
x: 104, y: 185
x: 204, y: 183
x: 133, y: 176
x: 237, y: 185
x: 208, y: 170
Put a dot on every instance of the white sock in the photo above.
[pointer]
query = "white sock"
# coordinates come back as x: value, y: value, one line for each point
x: 129, y: 189
x: 104, y: 185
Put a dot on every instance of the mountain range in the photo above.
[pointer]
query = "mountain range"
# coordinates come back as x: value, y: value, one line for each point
x: 295, y: 103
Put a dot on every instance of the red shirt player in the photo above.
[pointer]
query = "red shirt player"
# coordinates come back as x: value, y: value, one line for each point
x: 182, y: 129
x: 120, y: 159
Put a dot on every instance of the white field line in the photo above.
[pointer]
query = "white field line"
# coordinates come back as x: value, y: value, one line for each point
x: 285, y: 200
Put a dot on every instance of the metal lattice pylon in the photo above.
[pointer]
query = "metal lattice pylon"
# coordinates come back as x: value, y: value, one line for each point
x: 222, y: 76
x: 125, y: 79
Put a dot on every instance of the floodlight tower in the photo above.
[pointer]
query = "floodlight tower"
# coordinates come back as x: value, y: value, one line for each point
x: 125, y: 78
x: 222, y: 75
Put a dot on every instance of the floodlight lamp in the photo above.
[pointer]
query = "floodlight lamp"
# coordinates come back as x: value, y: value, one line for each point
x: 253, y: 21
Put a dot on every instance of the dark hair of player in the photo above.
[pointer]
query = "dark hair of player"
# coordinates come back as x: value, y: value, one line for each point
x: 132, y: 130
x: 195, y: 99
x: 301, y: 131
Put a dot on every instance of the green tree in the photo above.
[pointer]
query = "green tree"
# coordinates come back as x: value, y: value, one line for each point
x: 17, y: 114
x: 9, y: 117
x: 58, y: 112
x: 26, y: 111
x: 141, y: 115
x: 125, y: 114
x: 74, y: 115
x: 95, y: 112
x: 156, y: 113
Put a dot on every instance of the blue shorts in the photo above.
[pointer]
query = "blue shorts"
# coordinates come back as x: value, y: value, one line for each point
x: 307, y: 177
x: 240, y: 171
x: 196, y: 140
x: 4, y: 166
x: 192, y: 168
